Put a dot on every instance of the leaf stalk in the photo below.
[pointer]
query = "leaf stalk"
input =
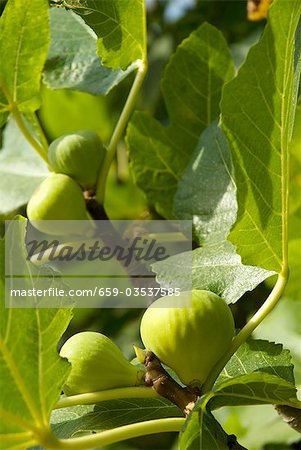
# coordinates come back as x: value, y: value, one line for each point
x: 110, y: 394
x: 119, y: 434
x: 119, y: 129
x: 246, y: 331
x: 27, y: 134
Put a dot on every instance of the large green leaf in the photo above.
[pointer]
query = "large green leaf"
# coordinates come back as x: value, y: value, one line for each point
x: 24, y: 41
x: 120, y: 26
x: 21, y: 170
x: 192, y: 85
x: 72, y: 62
x: 257, y: 355
x: 32, y: 373
x: 203, y: 432
x: 259, y: 373
x: 257, y: 388
x: 257, y: 116
x: 283, y: 325
x: 216, y: 268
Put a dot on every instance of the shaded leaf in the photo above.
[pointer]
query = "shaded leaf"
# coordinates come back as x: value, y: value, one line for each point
x: 191, y: 87
x: 21, y: 170
x: 72, y: 62
x: 206, y: 193
x: 216, y: 268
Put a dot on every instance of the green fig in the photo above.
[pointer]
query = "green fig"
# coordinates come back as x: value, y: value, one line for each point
x: 58, y: 198
x: 97, y: 364
x: 189, y: 333
x: 78, y: 155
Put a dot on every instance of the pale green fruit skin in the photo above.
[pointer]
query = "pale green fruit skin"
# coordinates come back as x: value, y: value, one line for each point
x: 57, y: 198
x: 78, y: 155
x: 97, y: 364
x: 190, y: 340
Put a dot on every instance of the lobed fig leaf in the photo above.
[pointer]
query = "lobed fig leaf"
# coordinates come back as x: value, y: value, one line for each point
x: 97, y: 364
x: 189, y: 333
x: 58, y: 198
x: 78, y: 155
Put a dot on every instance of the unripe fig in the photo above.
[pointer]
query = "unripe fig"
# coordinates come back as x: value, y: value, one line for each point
x: 97, y: 364
x: 57, y: 198
x: 189, y: 333
x: 78, y: 155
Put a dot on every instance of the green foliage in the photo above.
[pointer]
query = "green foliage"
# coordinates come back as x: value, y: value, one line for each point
x: 283, y: 325
x: 120, y: 28
x: 262, y: 381
x: 31, y: 371
x: 216, y: 268
x: 22, y: 25
x: 72, y: 62
x: 219, y: 152
x: 20, y: 168
x: 257, y: 115
x: 202, y: 431
x: 214, y: 212
x: 110, y: 414
x: 270, y: 358
x: 59, y: 116
x: 191, y: 87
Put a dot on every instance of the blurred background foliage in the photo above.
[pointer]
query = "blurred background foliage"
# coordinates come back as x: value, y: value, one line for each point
x: 64, y: 111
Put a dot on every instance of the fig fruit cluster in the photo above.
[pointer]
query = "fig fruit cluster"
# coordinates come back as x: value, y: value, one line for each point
x: 189, y: 333
x: 97, y: 364
x: 75, y: 160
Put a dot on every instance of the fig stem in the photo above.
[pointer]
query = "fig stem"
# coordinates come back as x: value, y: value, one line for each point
x: 157, y: 377
x: 246, y: 331
x: 115, y: 435
x: 111, y: 394
x: 42, y: 151
x: 40, y: 130
x: 119, y: 129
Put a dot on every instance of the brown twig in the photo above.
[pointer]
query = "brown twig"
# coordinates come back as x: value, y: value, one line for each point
x: 157, y: 377
x: 290, y: 415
